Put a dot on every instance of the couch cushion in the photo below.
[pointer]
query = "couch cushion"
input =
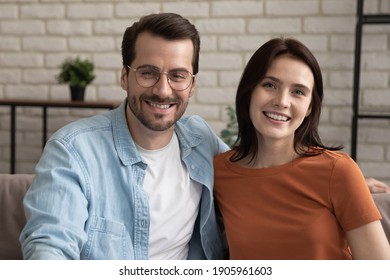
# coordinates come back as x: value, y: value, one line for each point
x: 12, y: 219
x: 382, y: 201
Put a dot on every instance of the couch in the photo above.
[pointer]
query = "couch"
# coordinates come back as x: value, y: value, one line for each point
x: 12, y: 219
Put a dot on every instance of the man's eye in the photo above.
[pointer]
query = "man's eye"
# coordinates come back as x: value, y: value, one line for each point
x: 178, y: 76
x: 148, y: 74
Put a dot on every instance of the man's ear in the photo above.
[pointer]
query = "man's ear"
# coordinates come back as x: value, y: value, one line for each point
x: 124, y: 78
x: 192, y: 89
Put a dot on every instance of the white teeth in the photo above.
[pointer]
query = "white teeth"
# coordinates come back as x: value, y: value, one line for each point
x: 160, y: 106
x: 276, y: 117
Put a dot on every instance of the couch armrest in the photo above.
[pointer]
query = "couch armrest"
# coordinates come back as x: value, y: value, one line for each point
x: 12, y: 219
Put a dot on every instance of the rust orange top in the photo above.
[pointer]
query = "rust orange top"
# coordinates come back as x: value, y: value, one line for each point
x: 300, y: 210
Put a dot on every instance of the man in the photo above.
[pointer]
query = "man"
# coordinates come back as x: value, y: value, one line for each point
x: 135, y: 183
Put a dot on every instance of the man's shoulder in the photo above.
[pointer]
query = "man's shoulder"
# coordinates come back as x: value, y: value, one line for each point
x: 96, y: 123
x: 192, y: 120
x: 85, y: 125
x: 194, y: 126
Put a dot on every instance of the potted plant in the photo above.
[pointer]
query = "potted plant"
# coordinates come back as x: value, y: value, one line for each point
x: 78, y: 74
x: 230, y: 133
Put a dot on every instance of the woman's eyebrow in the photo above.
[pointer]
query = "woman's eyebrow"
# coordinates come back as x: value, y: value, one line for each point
x: 281, y: 82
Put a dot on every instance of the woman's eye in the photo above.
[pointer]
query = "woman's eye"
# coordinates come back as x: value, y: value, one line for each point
x: 299, y: 92
x: 268, y: 85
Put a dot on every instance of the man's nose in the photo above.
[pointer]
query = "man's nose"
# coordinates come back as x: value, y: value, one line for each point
x: 162, y: 87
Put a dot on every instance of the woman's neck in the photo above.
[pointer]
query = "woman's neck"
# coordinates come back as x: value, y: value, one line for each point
x: 272, y: 153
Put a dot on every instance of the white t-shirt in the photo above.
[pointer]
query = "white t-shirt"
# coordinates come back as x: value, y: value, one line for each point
x: 173, y: 201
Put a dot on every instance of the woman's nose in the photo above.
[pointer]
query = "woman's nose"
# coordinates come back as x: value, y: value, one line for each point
x: 282, y: 99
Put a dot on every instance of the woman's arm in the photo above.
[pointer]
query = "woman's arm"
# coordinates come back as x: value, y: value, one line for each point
x: 369, y: 242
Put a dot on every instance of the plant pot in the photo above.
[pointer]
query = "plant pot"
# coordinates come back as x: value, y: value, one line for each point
x: 77, y: 93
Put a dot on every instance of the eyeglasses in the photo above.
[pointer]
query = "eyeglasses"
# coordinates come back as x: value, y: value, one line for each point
x: 148, y: 76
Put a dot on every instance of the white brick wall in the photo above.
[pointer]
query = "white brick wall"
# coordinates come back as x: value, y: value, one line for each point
x: 36, y: 35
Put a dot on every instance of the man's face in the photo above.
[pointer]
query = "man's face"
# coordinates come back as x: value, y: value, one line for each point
x: 157, y: 108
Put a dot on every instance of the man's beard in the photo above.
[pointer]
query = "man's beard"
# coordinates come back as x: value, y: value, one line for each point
x: 152, y: 121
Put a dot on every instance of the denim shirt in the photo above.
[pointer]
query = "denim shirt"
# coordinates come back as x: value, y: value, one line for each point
x: 87, y: 199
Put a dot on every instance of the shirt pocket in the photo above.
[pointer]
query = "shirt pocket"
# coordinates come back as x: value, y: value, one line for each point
x: 107, y: 240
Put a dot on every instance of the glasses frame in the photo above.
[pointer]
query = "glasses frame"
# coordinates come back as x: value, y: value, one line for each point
x: 159, y: 77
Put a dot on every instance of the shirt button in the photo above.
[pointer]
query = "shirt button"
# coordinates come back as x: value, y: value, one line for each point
x: 192, y: 166
x: 142, y: 223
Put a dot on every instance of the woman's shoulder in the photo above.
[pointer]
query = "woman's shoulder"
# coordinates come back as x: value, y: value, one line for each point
x: 222, y: 156
x: 335, y: 156
x: 329, y: 161
x: 341, y: 163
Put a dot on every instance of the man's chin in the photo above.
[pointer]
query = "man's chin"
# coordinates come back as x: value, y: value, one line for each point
x: 159, y: 126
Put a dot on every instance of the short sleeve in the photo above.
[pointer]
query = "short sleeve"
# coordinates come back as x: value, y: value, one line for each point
x: 351, y: 199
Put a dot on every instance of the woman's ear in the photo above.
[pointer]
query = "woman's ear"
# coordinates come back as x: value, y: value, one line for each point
x: 308, y: 111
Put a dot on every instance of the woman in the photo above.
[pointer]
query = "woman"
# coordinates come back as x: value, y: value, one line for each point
x: 282, y: 193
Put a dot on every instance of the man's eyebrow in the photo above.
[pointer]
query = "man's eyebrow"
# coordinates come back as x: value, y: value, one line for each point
x: 149, y: 66
x: 152, y: 67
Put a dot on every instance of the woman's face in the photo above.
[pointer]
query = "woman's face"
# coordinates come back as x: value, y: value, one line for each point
x: 282, y: 99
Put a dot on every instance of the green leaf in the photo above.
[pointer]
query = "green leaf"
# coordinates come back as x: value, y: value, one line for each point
x: 230, y: 133
x: 76, y: 72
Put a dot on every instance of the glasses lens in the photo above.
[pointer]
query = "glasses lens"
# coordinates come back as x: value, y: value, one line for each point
x: 149, y: 76
x: 179, y: 79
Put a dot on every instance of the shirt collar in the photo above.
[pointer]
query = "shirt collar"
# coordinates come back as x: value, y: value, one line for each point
x: 126, y: 148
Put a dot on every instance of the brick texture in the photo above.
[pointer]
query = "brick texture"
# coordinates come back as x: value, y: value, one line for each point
x: 35, y: 37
